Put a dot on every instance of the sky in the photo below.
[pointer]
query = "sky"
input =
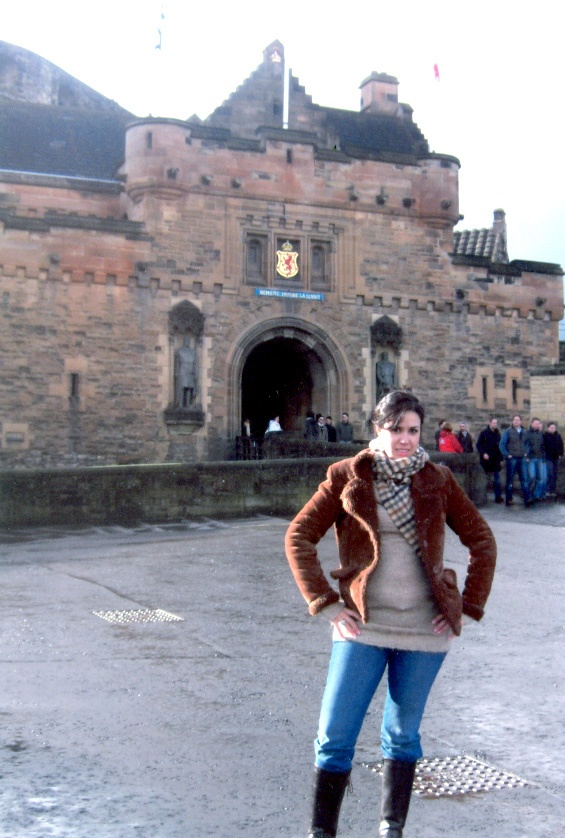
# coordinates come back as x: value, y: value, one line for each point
x: 496, y: 106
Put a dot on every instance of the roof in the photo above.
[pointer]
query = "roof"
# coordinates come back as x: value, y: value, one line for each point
x: 487, y: 248
x: 486, y: 242
x: 61, y: 141
x: 373, y: 134
x: 258, y: 103
x: 54, y: 124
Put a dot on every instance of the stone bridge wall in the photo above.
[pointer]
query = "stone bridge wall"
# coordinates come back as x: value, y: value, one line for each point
x: 128, y: 495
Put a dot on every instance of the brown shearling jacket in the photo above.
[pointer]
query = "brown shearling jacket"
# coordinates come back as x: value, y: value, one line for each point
x: 346, y: 499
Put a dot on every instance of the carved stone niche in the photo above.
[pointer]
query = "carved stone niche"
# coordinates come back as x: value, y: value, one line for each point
x: 386, y: 339
x: 186, y: 327
x: 385, y: 332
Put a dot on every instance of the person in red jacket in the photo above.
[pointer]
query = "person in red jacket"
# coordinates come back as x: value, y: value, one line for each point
x: 447, y: 441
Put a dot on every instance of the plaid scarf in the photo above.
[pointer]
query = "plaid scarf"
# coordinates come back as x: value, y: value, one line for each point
x: 392, y: 484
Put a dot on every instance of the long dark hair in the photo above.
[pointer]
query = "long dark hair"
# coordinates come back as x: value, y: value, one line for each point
x: 393, y: 406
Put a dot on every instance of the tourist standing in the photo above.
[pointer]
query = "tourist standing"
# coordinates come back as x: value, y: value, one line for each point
x: 310, y: 426
x: 513, y: 449
x: 488, y: 446
x: 398, y: 607
x: 447, y: 441
x: 535, y: 455
x: 465, y: 438
x: 274, y: 426
x: 553, y: 443
x: 344, y: 429
x: 322, y: 428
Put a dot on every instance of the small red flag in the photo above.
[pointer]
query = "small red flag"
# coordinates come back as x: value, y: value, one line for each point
x: 436, y: 72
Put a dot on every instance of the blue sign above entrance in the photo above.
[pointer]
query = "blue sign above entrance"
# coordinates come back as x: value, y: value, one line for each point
x: 294, y: 295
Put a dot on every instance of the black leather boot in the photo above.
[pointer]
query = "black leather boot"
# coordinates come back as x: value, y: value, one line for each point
x: 329, y: 789
x: 398, y: 778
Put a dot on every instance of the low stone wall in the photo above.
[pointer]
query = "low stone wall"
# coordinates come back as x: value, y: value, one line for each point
x: 159, y: 493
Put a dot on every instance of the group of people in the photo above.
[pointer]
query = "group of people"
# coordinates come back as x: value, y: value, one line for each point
x: 450, y: 443
x: 316, y: 427
x: 531, y: 453
x: 322, y: 429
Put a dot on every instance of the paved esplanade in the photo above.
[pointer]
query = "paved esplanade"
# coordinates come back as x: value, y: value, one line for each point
x: 204, y: 727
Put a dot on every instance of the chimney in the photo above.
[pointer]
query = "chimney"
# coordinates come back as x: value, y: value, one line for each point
x: 499, y: 224
x: 379, y: 94
x: 500, y: 252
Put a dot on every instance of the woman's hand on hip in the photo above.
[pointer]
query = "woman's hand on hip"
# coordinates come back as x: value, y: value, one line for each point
x: 347, y: 623
x: 441, y: 624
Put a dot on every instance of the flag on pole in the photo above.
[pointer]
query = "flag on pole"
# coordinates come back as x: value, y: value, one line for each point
x: 436, y: 72
x: 159, y: 43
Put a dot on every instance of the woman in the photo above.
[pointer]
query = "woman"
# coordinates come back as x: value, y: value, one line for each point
x: 399, y: 607
x: 447, y: 441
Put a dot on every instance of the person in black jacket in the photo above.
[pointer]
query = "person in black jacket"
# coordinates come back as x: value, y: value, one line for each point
x: 310, y: 427
x: 491, y: 458
x: 465, y: 438
x: 332, y: 433
x: 553, y: 442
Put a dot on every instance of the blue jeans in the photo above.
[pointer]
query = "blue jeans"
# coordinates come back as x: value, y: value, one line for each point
x: 538, y: 475
x: 354, y: 675
x: 551, y: 466
x: 520, y: 465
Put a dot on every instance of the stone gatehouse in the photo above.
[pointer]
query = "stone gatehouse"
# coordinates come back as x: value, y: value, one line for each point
x: 163, y: 280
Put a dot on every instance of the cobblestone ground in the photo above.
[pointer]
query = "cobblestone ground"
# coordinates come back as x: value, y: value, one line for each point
x: 202, y: 726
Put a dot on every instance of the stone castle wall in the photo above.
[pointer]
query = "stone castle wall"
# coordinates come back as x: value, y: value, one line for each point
x: 87, y: 349
x: 548, y: 395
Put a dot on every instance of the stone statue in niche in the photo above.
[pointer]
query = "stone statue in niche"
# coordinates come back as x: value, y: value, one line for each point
x: 385, y: 375
x: 186, y: 375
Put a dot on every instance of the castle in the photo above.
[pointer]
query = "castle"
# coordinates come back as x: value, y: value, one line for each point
x: 163, y: 280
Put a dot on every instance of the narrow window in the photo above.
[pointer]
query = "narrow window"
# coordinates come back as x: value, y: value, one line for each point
x: 289, y: 155
x: 485, y: 388
x: 74, y: 386
x: 149, y: 139
x: 255, y: 258
x: 320, y: 265
x: 514, y: 391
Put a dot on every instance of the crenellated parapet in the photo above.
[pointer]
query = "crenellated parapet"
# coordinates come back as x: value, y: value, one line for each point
x: 170, y: 159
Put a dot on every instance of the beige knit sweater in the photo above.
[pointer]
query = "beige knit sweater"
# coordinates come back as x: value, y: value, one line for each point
x: 400, y: 604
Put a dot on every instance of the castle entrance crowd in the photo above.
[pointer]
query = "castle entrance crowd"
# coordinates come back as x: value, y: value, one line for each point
x: 529, y: 454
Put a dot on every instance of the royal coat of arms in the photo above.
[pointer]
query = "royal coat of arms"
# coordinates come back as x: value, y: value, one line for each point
x: 287, y: 261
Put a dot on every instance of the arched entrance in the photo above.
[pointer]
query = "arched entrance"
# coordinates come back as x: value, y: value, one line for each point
x: 285, y: 368
x: 279, y: 379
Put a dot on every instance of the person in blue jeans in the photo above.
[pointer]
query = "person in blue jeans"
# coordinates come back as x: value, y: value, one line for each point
x: 398, y: 606
x: 535, y: 455
x: 513, y: 449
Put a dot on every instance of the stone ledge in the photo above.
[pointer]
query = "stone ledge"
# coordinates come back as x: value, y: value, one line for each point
x: 193, y: 417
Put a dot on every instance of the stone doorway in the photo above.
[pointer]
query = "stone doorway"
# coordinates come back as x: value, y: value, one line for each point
x: 281, y: 377
x: 285, y: 368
